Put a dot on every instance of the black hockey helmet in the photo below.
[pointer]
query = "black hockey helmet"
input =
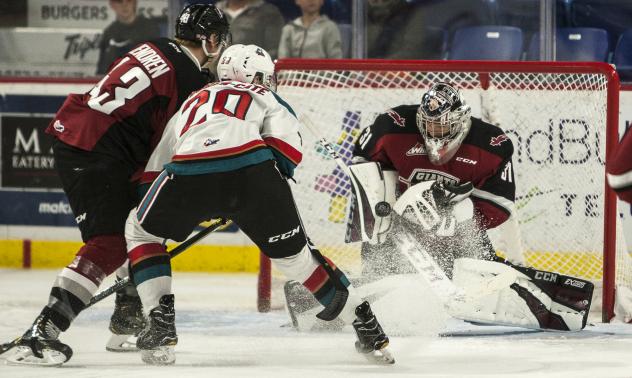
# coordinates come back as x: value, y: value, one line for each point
x: 197, y: 22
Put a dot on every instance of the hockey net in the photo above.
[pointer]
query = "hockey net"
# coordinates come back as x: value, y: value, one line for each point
x: 561, y: 117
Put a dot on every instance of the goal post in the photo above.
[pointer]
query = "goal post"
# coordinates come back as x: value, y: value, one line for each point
x: 562, y: 118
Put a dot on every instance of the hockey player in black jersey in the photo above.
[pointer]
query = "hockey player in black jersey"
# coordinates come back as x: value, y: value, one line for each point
x: 104, y: 139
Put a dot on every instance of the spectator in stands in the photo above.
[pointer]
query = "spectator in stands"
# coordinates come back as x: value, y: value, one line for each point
x: 128, y: 30
x: 254, y: 22
x: 310, y: 36
x: 395, y: 30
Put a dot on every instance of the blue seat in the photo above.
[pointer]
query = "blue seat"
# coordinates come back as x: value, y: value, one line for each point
x: 623, y: 56
x: 575, y: 44
x: 581, y: 44
x: 486, y: 43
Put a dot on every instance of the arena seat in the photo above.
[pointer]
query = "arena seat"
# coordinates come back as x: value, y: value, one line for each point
x: 623, y: 56
x: 486, y: 43
x: 575, y: 44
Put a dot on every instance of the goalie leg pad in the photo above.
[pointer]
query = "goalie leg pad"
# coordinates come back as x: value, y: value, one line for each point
x: 529, y: 298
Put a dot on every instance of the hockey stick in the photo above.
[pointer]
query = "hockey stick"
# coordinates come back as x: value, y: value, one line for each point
x: 126, y: 281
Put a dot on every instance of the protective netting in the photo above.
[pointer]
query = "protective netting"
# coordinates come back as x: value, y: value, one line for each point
x: 557, y: 122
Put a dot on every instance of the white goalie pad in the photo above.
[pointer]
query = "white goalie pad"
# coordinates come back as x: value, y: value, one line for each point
x: 493, y: 296
x: 375, y: 196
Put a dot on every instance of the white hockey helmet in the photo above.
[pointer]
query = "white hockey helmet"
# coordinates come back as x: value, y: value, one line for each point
x: 444, y: 120
x: 248, y: 64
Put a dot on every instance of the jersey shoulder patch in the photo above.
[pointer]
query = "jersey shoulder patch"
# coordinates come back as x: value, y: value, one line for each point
x: 490, y: 138
x: 398, y: 120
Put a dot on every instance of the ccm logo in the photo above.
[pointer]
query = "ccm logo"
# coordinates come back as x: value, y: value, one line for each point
x: 80, y: 218
x: 545, y: 276
x: 284, y: 235
x: 576, y: 283
x: 465, y: 160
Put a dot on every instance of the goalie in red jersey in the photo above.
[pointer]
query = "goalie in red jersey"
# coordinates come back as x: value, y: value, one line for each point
x: 429, y: 180
x: 439, y: 141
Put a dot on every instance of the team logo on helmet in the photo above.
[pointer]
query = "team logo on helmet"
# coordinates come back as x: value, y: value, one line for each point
x: 260, y: 52
x: 497, y: 140
x: 433, y: 104
x: 185, y: 17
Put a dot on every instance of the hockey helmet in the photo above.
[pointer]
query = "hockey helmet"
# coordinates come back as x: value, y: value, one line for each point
x: 444, y: 120
x: 198, y: 22
x: 248, y: 64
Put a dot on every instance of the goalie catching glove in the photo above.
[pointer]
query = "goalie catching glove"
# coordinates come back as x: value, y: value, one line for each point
x: 437, y: 207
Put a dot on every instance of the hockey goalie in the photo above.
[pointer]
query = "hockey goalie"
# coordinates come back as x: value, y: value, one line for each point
x: 429, y: 180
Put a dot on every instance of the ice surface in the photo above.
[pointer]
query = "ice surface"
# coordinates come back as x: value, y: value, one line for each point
x: 222, y: 335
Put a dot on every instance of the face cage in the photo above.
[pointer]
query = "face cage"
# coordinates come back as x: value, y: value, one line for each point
x: 223, y: 43
x: 267, y: 80
x: 442, y: 149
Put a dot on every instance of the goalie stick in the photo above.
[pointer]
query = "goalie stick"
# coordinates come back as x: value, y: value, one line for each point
x: 126, y: 281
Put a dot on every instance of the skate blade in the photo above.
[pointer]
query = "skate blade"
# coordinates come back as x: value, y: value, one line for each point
x: 380, y: 357
x: 164, y: 355
x: 23, y: 355
x: 121, y: 343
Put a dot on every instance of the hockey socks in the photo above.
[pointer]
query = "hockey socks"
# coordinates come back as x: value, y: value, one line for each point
x: 74, y: 287
x: 151, y: 271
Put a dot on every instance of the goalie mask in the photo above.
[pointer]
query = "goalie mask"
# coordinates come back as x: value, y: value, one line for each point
x: 248, y: 64
x: 444, y: 120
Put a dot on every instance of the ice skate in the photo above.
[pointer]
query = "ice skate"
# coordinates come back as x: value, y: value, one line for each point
x: 157, y: 340
x: 39, y: 346
x: 372, y: 341
x: 126, y: 323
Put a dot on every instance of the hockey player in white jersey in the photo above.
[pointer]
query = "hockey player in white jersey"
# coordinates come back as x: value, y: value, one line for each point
x: 228, y: 153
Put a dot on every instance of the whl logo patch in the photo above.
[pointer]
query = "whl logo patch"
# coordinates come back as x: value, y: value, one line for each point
x: 210, y: 142
x: 497, y: 141
x: 417, y: 149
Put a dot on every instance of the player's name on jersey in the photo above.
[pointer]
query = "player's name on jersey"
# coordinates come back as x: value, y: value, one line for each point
x: 153, y: 62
